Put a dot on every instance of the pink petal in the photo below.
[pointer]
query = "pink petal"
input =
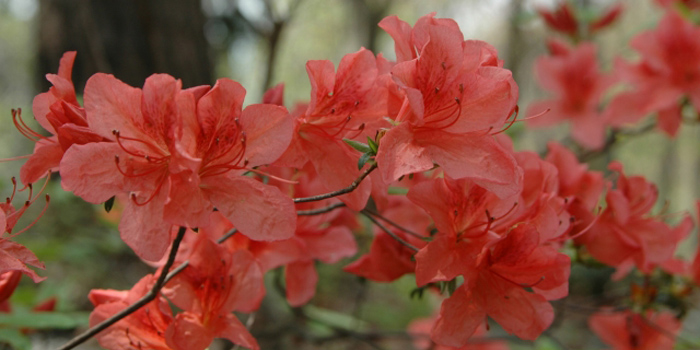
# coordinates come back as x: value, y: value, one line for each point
x: 332, y: 245
x: 47, y: 156
x: 142, y: 227
x: 460, y: 316
x: 112, y: 105
x: 259, y: 211
x: 268, y: 131
x: 186, y: 204
x: 400, y: 155
x: 474, y: 156
x: 301, y: 279
x: 336, y: 164
x: 237, y: 333
x: 90, y: 172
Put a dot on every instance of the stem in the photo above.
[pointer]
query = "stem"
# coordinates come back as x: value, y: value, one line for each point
x: 152, y: 294
x: 228, y: 235
x: 320, y: 210
x: 380, y: 216
x: 341, y: 191
x: 393, y: 235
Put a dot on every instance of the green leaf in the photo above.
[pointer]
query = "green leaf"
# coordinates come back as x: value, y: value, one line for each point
x: 44, y: 320
x: 334, y: 318
x: 417, y: 293
x: 358, y: 145
x: 372, y: 145
x: 15, y: 338
x: 451, y: 286
x: 398, y: 190
x: 365, y: 157
x: 109, y: 204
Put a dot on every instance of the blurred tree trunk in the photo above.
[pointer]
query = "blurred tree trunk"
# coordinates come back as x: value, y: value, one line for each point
x: 131, y: 39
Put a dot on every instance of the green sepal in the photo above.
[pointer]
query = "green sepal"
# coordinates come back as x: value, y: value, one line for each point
x: 109, y: 204
x: 372, y: 145
x: 363, y: 160
x: 358, y: 146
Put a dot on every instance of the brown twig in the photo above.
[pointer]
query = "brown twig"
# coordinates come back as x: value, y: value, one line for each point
x: 392, y: 223
x: 320, y: 210
x: 393, y: 235
x: 228, y: 235
x: 339, y: 192
x: 152, y: 294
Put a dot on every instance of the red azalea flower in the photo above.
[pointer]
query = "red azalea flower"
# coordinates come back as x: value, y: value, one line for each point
x: 669, y: 71
x: 180, y: 153
x: 216, y: 283
x: 456, y: 95
x: 625, y: 234
x: 143, y: 329
x: 343, y: 103
x: 627, y: 330
x: 58, y: 112
x: 573, y: 76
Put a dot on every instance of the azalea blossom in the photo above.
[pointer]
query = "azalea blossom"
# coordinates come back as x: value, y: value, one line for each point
x: 58, y: 112
x: 343, y: 103
x: 627, y: 330
x: 573, y: 76
x: 457, y: 94
x: 669, y: 71
x: 179, y: 154
x: 626, y: 235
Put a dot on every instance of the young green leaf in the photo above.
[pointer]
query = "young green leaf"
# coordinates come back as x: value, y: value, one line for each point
x: 358, y: 145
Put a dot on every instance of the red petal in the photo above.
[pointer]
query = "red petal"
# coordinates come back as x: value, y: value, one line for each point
x: 259, y: 211
x: 301, y: 279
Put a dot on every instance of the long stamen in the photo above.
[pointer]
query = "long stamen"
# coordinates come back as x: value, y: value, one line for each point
x: 21, y: 120
x: 584, y: 230
x: 24, y: 129
x: 14, y: 190
x: 16, y: 158
x: 153, y: 170
x: 153, y: 195
x: 515, y: 118
x: 262, y: 173
x: 138, y: 153
x: 48, y: 199
x: 522, y: 285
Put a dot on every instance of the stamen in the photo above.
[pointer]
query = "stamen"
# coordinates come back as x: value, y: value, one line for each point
x: 517, y: 110
x: 24, y: 129
x: 26, y: 204
x: 153, y: 195
x: 15, y: 158
x: 262, y: 173
x: 522, y: 285
x: 14, y: 190
x: 139, y: 154
x: 153, y: 170
x: 564, y: 237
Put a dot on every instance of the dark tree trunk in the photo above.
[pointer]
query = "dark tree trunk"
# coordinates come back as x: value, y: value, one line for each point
x: 131, y: 39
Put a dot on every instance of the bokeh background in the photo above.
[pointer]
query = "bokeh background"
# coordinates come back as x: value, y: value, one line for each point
x: 261, y: 43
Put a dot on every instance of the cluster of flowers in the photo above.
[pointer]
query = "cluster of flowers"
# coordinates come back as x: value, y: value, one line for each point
x: 664, y: 81
x: 192, y: 166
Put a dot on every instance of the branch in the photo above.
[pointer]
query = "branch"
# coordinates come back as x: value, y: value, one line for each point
x: 339, y: 192
x: 152, y: 294
x: 393, y: 235
x: 228, y: 235
x: 380, y: 216
x: 320, y: 210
